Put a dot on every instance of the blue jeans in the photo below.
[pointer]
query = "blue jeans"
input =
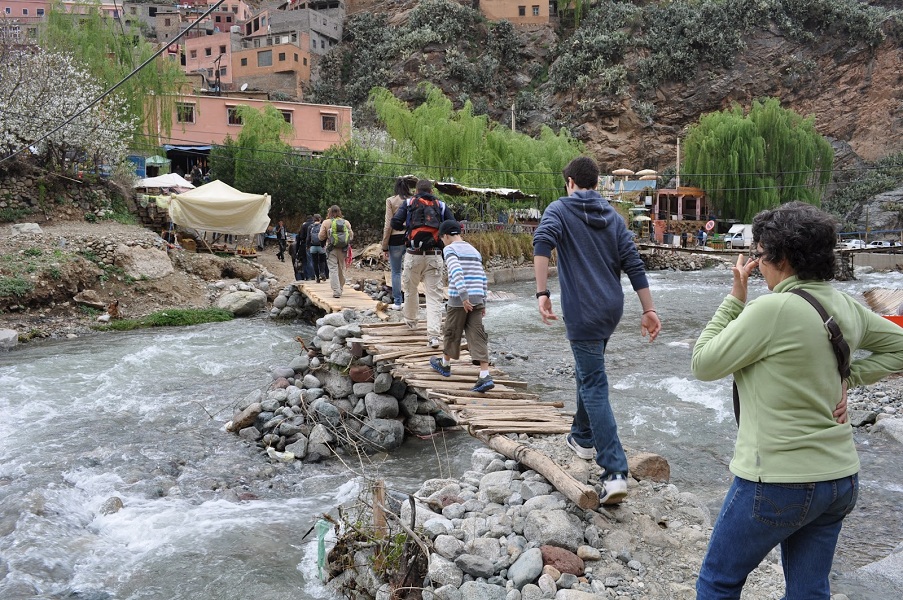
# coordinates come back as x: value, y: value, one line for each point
x: 594, y: 423
x: 804, y: 518
x: 396, y: 257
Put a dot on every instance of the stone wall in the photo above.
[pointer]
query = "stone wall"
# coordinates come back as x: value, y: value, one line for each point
x: 35, y: 192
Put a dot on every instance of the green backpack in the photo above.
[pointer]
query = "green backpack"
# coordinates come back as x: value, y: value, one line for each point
x: 338, y: 233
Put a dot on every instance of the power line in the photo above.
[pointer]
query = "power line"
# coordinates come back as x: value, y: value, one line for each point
x: 109, y: 91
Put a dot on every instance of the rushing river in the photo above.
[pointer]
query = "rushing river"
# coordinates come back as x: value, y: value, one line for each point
x: 139, y: 416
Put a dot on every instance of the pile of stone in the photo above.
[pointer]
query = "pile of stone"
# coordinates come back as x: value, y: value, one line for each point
x: 878, y: 407
x: 334, y: 398
x: 678, y: 261
x: 500, y: 533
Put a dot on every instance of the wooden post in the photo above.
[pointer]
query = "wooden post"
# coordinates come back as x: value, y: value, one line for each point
x: 582, y: 495
x: 379, y: 509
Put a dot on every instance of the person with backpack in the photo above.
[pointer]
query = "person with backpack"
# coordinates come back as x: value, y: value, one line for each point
x: 393, y: 239
x: 315, y: 250
x: 420, y: 218
x: 336, y: 233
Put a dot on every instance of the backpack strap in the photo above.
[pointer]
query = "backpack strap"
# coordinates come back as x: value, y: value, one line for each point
x: 841, y: 348
x: 835, y: 336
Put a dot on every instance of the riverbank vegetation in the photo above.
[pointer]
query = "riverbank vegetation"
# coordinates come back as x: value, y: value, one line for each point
x: 173, y: 317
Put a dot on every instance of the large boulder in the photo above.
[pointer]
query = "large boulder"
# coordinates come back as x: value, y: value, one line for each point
x: 91, y: 299
x: 553, y: 528
x: 18, y: 228
x: 243, y: 304
x: 8, y: 339
x: 383, y: 435
x: 143, y: 263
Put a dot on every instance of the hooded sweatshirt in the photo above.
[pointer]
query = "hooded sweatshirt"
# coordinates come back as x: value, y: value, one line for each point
x: 594, y: 247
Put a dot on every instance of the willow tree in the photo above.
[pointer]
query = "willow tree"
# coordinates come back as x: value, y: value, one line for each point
x: 109, y: 51
x: 445, y: 143
x: 748, y: 162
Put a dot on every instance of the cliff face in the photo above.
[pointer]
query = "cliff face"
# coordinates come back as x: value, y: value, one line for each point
x: 853, y: 90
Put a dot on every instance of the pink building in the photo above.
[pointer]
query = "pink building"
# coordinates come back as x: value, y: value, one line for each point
x: 209, y: 53
x: 518, y: 12
x: 201, y: 120
x: 23, y: 8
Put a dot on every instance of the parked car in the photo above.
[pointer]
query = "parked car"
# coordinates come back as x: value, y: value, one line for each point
x: 883, y: 244
x: 739, y: 236
x: 852, y: 244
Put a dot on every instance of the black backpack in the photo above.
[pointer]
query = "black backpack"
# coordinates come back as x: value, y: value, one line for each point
x: 424, y: 218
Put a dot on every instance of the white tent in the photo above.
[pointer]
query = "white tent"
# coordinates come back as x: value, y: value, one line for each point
x: 221, y: 208
x: 169, y: 180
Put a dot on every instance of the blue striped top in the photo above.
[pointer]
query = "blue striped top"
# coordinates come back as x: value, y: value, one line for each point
x: 466, y: 277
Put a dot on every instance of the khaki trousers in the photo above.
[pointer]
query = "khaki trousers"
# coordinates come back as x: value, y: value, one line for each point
x: 426, y: 268
x: 335, y: 259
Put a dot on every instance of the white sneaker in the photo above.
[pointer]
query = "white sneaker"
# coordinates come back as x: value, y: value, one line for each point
x: 581, y: 451
x: 614, y: 489
x: 395, y: 307
x: 433, y: 343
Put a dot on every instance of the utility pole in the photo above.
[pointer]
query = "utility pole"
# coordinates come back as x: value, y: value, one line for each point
x: 512, y: 116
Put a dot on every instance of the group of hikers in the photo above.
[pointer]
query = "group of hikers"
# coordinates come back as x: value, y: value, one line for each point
x: 321, y: 248
x: 795, y: 465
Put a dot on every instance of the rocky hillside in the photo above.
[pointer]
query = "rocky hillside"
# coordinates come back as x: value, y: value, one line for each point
x: 633, y: 75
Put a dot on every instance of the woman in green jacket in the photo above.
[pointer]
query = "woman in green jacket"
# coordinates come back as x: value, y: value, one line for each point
x: 795, y: 464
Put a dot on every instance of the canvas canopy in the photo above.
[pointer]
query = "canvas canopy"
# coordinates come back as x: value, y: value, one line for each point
x: 164, y: 181
x: 219, y: 207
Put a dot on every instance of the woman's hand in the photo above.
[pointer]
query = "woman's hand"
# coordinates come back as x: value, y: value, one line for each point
x: 742, y: 270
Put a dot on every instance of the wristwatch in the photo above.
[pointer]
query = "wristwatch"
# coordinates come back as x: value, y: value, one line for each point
x: 545, y: 293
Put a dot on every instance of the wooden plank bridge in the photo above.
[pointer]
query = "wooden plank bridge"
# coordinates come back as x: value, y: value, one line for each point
x: 508, y: 408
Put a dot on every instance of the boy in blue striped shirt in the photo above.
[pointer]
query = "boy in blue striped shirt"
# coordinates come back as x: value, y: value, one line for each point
x: 467, y: 289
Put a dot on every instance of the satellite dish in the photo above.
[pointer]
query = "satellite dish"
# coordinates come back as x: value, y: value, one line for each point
x: 244, y: 86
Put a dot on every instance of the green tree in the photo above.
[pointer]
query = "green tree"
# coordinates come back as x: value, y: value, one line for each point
x: 471, y: 149
x: 109, y: 51
x: 750, y: 162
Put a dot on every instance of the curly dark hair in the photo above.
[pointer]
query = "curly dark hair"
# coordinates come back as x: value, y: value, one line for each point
x: 584, y: 171
x: 802, y: 234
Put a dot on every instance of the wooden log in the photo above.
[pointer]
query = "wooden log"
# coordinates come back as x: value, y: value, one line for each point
x: 580, y: 494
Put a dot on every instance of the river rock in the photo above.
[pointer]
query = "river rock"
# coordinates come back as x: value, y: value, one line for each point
x: 474, y: 590
x: 448, y: 546
x: 408, y: 404
x: 242, y: 304
x: 326, y: 413
x: 526, y: 568
x: 284, y: 372
x: 336, y: 384
x: 299, y: 364
x: 310, y: 381
x: 476, y: 566
x: 18, y: 228
x: 360, y: 374
x: 563, y: 560
x: 334, y: 319
x: 422, y: 425
x: 8, y: 339
x: 246, y: 417
x: 444, y: 571
x: 144, y: 263
x: 553, y: 528
x: 252, y: 434
x: 326, y: 333
x: 890, y: 427
x: 575, y: 595
x: 111, y: 505
x: 383, y: 383
x: 90, y: 298
x: 298, y: 447
x: 381, y: 406
x: 382, y: 435
x: 647, y: 465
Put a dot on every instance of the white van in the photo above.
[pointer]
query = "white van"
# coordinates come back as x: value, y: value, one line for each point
x: 739, y: 236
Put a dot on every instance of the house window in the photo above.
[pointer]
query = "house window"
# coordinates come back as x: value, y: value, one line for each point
x: 167, y: 22
x: 208, y: 52
x: 194, y: 54
x: 229, y: 19
x: 329, y: 122
x: 322, y: 44
x: 536, y: 11
x: 282, y: 57
x: 223, y: 70
x: 296, y: 57
x: 234, y: 119
x: 24, y: 12
x: 305, y: 61
x: 40, y: 12
x: 151, y: 11
x: 265, y: 58
x: 8, y: 10
x: 184, y: 112
x: 222, y: 49
x: 244, y: 62
x: 219, y: 19
x: 521, y: 11
x: 132, y: 10
x: 287, y: 115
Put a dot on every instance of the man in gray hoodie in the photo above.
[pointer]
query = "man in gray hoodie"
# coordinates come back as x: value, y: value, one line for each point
x: 594, y: 247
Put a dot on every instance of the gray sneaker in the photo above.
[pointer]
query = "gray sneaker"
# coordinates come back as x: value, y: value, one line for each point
x: 581, y: 451
x: 483, y: 385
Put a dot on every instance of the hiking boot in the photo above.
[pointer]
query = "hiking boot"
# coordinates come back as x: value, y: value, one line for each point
x: 581, y: 451
x: 614, y: 489
x: 437, y: 365
x: 433, y: 343
x: 484, y: 384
